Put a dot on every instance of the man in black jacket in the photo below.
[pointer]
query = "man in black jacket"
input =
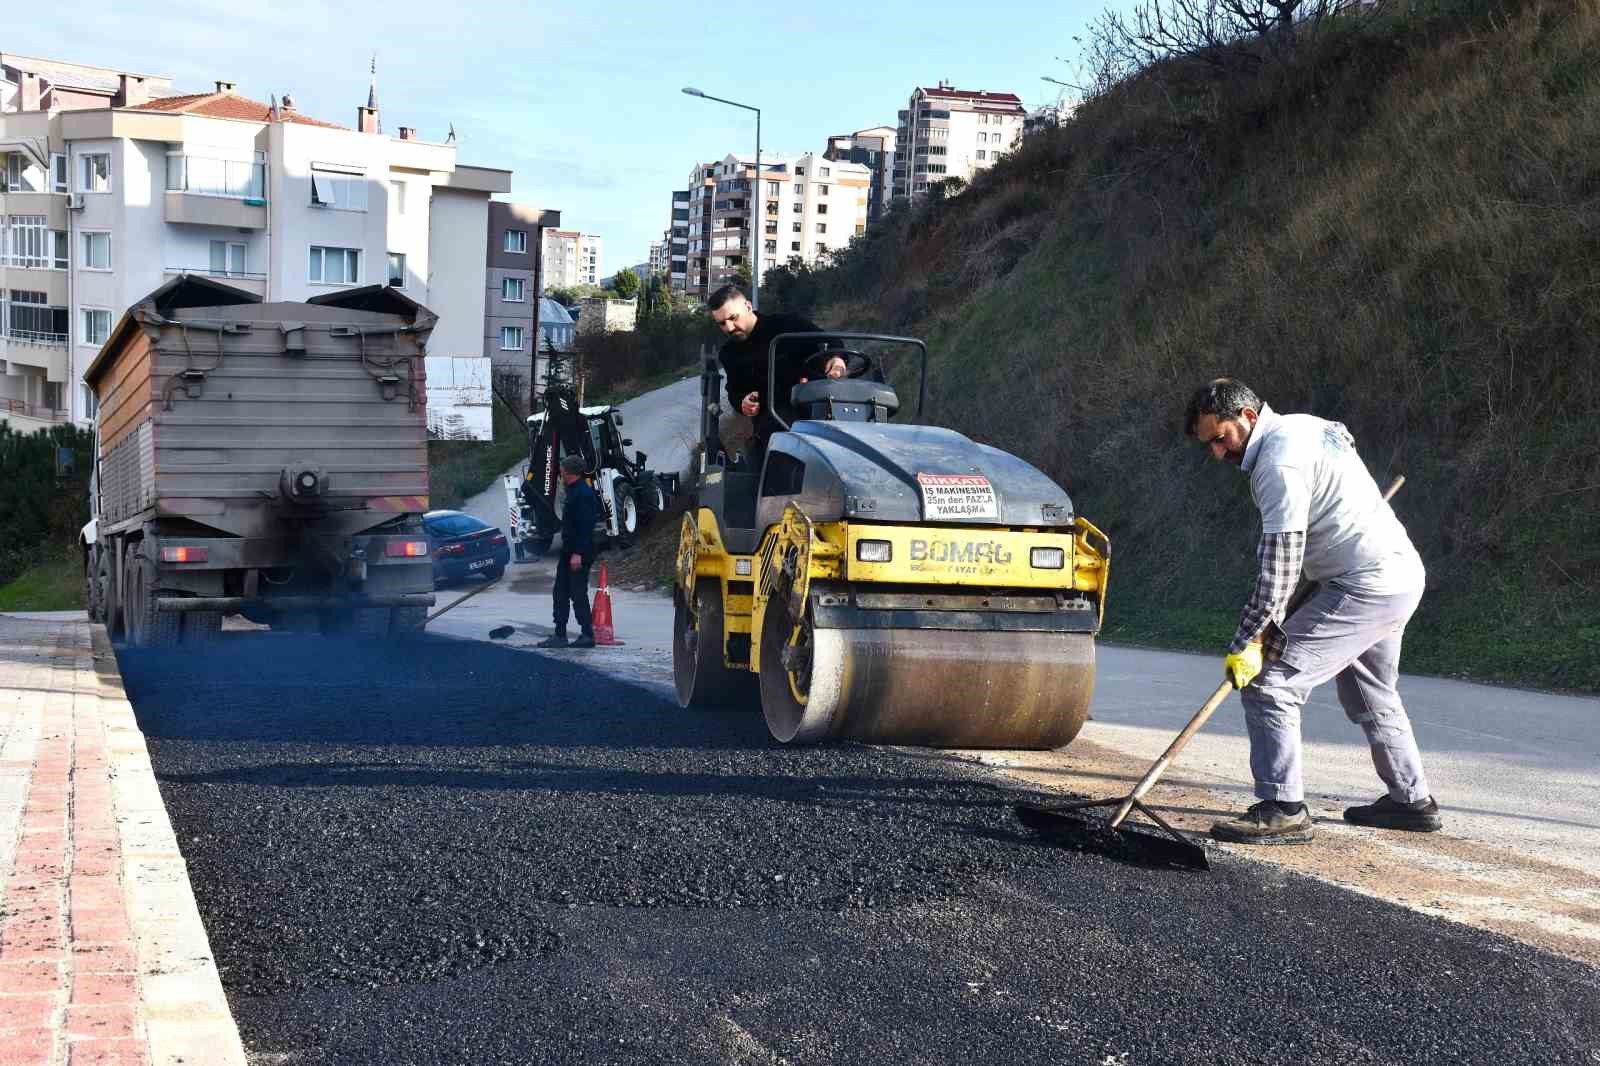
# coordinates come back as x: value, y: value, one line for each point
x: 577, y: 555
x: 744, y: 362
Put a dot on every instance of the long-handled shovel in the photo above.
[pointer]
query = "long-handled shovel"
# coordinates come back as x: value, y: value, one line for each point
x: 1067, y: 823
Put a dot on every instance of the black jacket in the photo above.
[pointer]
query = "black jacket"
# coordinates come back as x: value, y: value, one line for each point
x: 578, y: 517
x: 745, y: 363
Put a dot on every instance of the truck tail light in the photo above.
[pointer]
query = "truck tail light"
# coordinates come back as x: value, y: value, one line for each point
x: 405, y: 549
x: 184, y: 555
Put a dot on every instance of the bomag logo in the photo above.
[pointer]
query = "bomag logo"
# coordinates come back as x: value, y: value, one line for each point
x: 967, y: 552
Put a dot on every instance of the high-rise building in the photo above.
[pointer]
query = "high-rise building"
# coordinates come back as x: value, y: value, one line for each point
x: 805, y: 207
x: 677, y: 238
x: 874, y: 149
x: 571, y: 258
x: 658, y: 257
x: 946, y: 132
x: 109, y: 188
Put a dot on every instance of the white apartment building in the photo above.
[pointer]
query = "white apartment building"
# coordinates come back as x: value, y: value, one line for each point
x: 805, y: 206
x: 103, y: 203
x: 953, y: 133
x: 571, y: 258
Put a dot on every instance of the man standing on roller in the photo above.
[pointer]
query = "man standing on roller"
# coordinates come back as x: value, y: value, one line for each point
x: 1321, y: 514
x: 744, y: 365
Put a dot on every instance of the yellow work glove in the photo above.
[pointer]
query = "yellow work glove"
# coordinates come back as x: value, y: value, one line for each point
x: 1241, y: 667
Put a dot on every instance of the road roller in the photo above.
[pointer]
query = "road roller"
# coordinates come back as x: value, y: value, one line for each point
x: 881, y: 580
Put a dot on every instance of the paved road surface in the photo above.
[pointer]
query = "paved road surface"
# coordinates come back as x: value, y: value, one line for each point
x: 457, y: 852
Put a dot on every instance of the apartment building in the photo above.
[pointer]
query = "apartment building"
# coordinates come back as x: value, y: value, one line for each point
x: 805, y: 207
x: 571, y: 258
x: 108, y: 193
x: 657, y: 263
x: 874, y: 149
x: 514, y: 286
x: 677, y: 238
x: 946, y: 132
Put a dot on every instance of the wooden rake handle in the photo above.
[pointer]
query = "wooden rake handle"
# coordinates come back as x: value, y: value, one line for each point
x: 1179, y: 742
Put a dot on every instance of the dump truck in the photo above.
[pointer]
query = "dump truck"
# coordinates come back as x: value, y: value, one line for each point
x: 884, y: 581
x: 264, y: 459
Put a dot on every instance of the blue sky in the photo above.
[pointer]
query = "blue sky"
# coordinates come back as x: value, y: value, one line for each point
x: 582, y: 101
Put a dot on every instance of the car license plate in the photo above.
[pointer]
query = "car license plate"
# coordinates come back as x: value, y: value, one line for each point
x: 479, y: 564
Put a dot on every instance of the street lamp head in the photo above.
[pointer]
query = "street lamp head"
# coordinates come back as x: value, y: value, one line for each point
x: 693, y: 92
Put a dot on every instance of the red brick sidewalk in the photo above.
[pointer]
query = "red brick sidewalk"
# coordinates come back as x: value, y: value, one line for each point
x: 102, y: 955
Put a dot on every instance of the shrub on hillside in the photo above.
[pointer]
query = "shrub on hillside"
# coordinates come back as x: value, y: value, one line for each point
x: 40, y: 514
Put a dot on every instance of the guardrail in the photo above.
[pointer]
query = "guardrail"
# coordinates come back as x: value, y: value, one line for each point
x: 35, y: 337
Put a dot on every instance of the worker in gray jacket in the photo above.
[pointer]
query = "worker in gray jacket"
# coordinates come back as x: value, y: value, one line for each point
x: 1322, y: 516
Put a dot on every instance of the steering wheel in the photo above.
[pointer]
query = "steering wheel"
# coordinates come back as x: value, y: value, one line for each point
x: 856, y: 364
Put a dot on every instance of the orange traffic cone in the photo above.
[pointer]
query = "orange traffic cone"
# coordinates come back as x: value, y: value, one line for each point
x: 605, y: 634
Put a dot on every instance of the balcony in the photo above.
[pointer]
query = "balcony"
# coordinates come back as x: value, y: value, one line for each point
x: 198, y: 209
x: 25, y: 417
x: 216, y: 192
x: 237, y: 279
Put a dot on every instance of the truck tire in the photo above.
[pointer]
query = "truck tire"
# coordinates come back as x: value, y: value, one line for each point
x: 148, y: 627
x: 110, y: 591
x: 202, y: 627
x: 407, y: 622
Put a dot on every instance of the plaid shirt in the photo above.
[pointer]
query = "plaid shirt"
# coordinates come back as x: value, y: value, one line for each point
x: 1280, y: 558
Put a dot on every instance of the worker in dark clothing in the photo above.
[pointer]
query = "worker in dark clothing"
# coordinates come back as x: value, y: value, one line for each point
x: 577, y: 555
x: 744, y: 364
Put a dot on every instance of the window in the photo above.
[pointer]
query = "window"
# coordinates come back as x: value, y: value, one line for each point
x: 822, y: 247
x: 822, y: 227
x: 398, y: 188
x: 21, y: 175
x: 58, y: 249
x: 772, y: 207
x: 822, y: 209
x: 981, y: 155
x: 96, y: 326
x: 511, y: 338
x: 774, y: 188
x: 334, y: 266
x: 798, y: 225
x: 227, y: 258
x: 983, y: 120
x: 799, y: 208
x: 88, y: 402
x: 770, y: 247
x: 27, y: 240
x: 822, y: 190
x: 800, y: 172
x: 517, y: 241
x: 397, y: 270
x: 96, y: 251
x: 94, y: 172
x: 794, y: 246
x: 823, y: 172
x: 514, y: 290
x: 342, y: 190
x: 58, y: 175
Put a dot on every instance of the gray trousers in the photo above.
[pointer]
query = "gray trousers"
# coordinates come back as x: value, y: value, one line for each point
x: 1353, y: 638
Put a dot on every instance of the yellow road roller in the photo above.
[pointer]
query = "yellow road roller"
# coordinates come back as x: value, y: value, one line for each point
x: 883, y: 581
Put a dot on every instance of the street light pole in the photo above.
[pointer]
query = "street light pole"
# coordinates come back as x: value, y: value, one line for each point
x: 755, y: 197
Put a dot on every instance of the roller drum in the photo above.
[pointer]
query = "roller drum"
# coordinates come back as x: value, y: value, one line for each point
x: 930, y: 688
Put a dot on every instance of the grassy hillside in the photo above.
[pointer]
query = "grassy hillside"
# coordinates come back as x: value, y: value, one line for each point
x: 1402, y: 232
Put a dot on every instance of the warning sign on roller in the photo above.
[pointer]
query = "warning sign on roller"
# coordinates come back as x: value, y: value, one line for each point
x: 957, y: 496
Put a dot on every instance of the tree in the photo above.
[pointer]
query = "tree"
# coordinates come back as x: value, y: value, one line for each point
x: 742, y: 276
x: 566, y: 297
x: 626, y: 283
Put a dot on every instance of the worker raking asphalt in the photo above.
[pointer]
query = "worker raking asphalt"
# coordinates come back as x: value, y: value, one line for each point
x: 455, y: 852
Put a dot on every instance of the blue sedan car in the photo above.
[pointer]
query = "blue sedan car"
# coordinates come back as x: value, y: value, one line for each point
x: 463, y: 546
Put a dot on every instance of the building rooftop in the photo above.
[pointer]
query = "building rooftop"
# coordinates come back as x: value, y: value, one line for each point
x: 981, y: 95
x: 77, y: 75
x: 231, y: 105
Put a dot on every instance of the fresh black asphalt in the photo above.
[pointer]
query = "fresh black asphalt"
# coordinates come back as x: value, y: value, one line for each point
x: 455, y: 852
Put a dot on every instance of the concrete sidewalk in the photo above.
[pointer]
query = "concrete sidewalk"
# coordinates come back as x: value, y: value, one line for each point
x: 103, y: 958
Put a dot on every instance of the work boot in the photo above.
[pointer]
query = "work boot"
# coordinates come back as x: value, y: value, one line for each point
x: 1268, y: 822
x: 1386, y: 813
x: 558, y: 639
x: 585, y: 640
